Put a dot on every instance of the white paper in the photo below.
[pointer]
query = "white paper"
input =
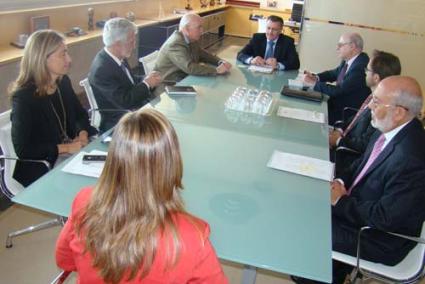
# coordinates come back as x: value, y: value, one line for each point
x: 301, y: 114
x: 261, y: 69
x: 302, y: 165
x: 77, y: 167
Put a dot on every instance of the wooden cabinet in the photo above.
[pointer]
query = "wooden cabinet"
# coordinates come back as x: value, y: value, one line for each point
x: 237, y: 21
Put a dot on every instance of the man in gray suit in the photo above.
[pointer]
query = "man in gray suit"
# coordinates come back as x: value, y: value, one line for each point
x: 182, y: 55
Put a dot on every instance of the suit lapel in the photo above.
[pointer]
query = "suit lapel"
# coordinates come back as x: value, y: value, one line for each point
x: 115, y: 68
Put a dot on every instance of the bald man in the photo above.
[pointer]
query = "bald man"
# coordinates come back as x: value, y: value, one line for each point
x: 349, y: 87
x: 386, y: 189
x: 182, y: 55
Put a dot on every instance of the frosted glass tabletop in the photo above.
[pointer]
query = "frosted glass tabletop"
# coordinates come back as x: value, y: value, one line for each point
x: 259, y: 216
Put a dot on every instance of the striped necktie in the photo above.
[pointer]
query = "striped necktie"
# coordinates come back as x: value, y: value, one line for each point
x: 127, y: 72
x: 342, y: 74
x: 269, y: 50
x: 356, y: 117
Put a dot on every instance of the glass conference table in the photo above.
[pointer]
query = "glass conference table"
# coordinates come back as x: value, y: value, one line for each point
x: 259, y: 217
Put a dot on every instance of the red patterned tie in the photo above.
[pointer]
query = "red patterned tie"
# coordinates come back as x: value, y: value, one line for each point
x: 359, y: 112
x: 377, y: 148
x: 341, y: 74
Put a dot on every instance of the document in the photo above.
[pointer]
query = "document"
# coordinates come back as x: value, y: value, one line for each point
x: 301, y: 114
x: 302, y: 165
x: 77, y: 167
x: 261, y: 69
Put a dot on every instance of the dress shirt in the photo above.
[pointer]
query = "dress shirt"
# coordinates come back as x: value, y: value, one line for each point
x: 280, y: 66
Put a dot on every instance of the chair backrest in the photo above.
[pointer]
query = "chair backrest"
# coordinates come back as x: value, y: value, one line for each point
x: 148, y: 61
x: 297, y: 12
x: 94, y: 113
x: 8, y: 185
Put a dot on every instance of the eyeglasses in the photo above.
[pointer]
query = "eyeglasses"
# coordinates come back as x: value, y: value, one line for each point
x: 341, y: 44
x: 375, y: 102
x: 368, y: 70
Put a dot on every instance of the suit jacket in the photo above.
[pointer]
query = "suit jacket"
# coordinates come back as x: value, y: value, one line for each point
x: 197, y: 262
x: 35, y: 129
x: 352, y: 91
x: 113, y: 90
x: 284, y: 51
x: 390, y: 196
x: 177, y: 59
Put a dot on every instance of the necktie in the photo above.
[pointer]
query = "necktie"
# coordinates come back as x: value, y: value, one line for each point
x: 377, y: 148
x: 125, y: 69
x: 361, y: 110
x: 341, y: 74
x: 269, y: 50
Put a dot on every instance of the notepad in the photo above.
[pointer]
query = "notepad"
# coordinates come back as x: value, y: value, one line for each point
x: 261, y: 69
x: 302, y: 165
x: 77, y: 167
x: 180, y: 90
x: 301, y: 114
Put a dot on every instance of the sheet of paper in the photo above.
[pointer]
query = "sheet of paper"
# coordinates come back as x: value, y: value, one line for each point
x: 261, y: 69
x: 301, y: 114
x: 77, y: 167
x: 302, y: 165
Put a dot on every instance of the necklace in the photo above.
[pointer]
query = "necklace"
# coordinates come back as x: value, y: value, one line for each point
x: 64, y: 137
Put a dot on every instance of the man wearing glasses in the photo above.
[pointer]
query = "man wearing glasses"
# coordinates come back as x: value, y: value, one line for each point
x: 271, y: 48
x: 355, y: 134
x: 350, y: 88
x: 385, y: 189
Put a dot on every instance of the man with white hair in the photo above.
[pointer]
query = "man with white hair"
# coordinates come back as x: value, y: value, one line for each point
x: 385, y: 189
x: 350, y: 88
x: 182, y: 55
x: 115, y: 88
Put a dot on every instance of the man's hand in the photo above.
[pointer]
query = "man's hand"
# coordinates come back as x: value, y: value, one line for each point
x: 272, y: 62
x: 334, y: 135
x: 258, y: 60
x: 337, y: 190
x: 309, y: 78
x: 221, y: 69
x: 83, y: 138
x: 227, y: 65
x: 153, y: 79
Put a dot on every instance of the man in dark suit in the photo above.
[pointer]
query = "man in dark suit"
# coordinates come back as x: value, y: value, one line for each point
x: 386, y: 189
x: 271, y: 48
x: 350, y: 89
x: 356, y: 133
x: 115, y: 88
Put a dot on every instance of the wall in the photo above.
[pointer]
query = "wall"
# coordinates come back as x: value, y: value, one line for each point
x: 396, y: 26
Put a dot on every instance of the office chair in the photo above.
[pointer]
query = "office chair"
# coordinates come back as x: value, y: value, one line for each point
x: 9, y: 186
x: 148, y: 61
x: 409, y: 270
x: 61, y: 277
x: 93, y: 111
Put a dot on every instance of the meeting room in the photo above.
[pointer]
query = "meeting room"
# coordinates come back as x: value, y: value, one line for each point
x: 212, y: 141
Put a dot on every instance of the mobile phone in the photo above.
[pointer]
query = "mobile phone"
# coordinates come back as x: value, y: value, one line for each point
x: 93, y: 158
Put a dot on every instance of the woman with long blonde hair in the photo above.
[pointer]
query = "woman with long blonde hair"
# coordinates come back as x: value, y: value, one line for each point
x: 132, y: 226
x: 48, y: 121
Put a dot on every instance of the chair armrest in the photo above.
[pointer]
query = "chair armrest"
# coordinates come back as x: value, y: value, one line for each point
x: 108, y: 110
x: 348, y: 110
x: 44, y: 162
x: 61, y: 277
x: 346, y: 149
x: 365, y: 228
